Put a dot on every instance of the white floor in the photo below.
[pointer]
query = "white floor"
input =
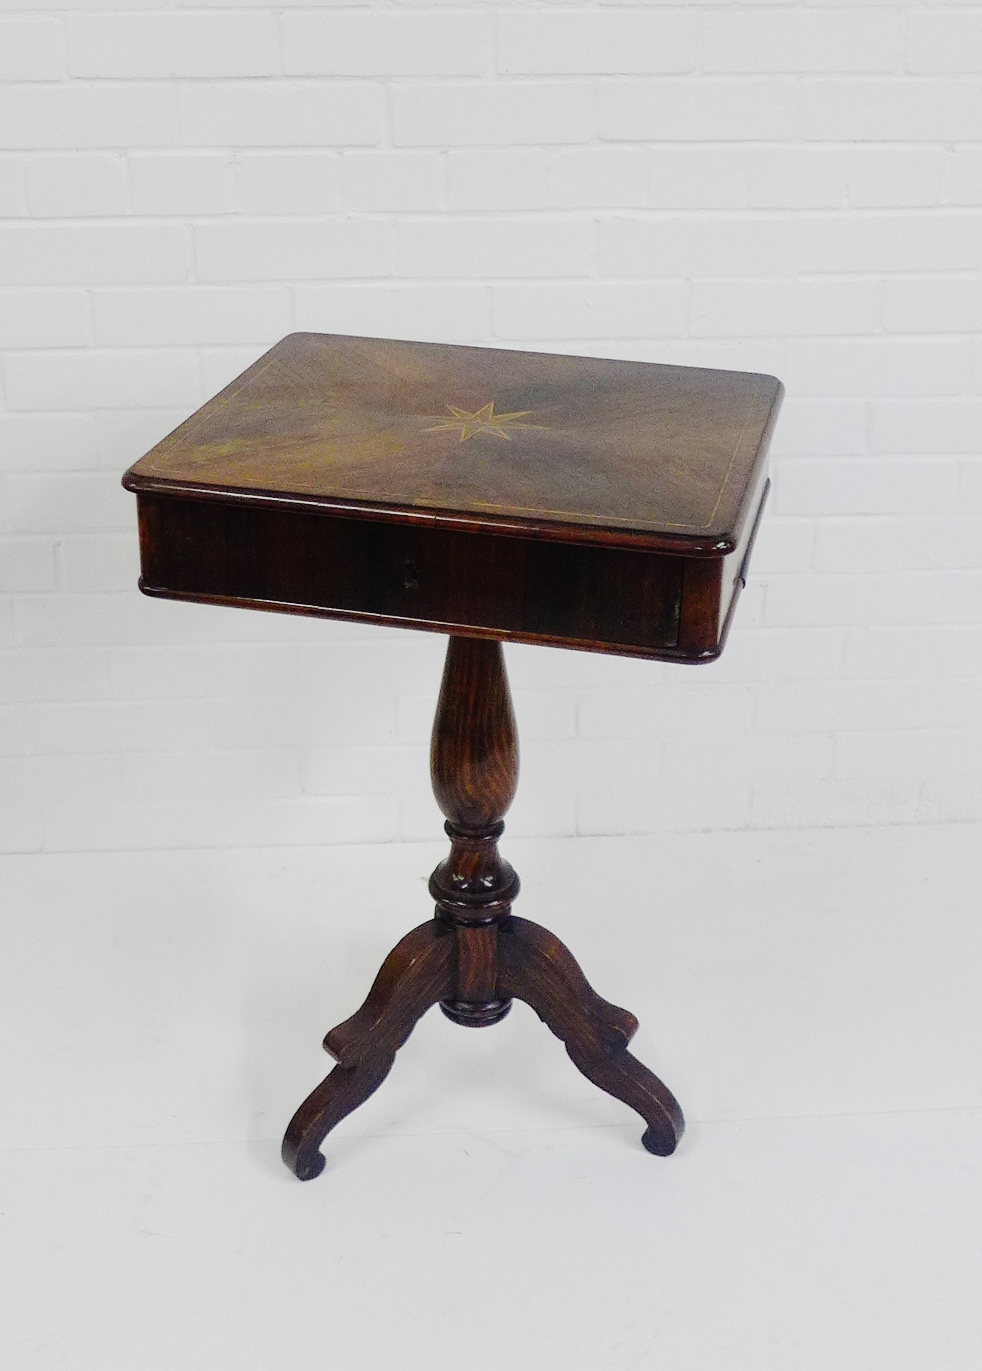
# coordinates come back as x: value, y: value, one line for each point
x: 811, y: 996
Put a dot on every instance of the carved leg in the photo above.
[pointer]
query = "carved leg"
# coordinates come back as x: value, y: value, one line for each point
x: 537, y: 968
x: 417, y: 973
x: 474, y: 956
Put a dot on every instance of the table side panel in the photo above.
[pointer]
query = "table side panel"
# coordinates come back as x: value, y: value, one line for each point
x: 577, y: 595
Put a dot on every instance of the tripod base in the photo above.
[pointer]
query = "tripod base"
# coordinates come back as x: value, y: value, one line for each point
x: 474, y: 957
x: 421, y: 971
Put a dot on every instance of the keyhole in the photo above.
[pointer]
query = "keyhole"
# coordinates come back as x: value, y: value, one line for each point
x: 411, y: 575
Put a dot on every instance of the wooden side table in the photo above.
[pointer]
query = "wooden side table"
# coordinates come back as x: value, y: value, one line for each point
x: 488, y: 495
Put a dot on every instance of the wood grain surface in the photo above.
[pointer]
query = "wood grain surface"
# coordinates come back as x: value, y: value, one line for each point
x: 504, y: 435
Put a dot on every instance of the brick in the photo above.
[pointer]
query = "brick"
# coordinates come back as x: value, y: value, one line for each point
x: 181, y: 182
x: 963, y: 176
x: 43, y: 318
x: 698, y: 178
x: 110, y: 620
x: 585, y: 178
x: 191, y: 315
x: 969, y: 497
x: 914, y: 650
x: 877, y: 366
x: 21, y: 829
x: 492, y: 114
x: 769, y: 246
x: 811, y: 428
x: 243, y: 671
x: 132, y: 46
x: 751, y: 354
x: 494, y: 247
x: 946, y: 42
x: 933, y: 304
x: 391, y: 770
x: 52, y: 503
x: 891, y: 177
x: 402, y: 180
x: 950, y: 799
x: 78, y: 115
x: 299, y: 721
x: 385, y: 43
x: 973, y: 384
x: 628, y: 247
x: 868, y: 706
x: 92, y: 254
x: 808, y: 40
x: 498, y: 179
x: 914, y: 754
x: 76, y: 186
x: 81, y: 5
x: 754, y: 759
x: 832, y: 801
x: 697, y: 109
x: 275, y: 823
x: 586, y: 43
x: 95, y: 379
x: 435, y: 312
x: 168, y: 777
x: 13, y: 187
x: 902, y: 544
x: 911, y: 109
x: 783, y: 545
x: 688, y: 808
x: 591, y: 309
x: 292, y: 250
x: 47, y: 442
x: 863, y: 487
x: 891, y: 242
x: 32, y: 48
x: 99, y: 562
x: 767, y: 308
x: 925, y: 425
x: 413, y: 660
x: 288, y: 182
x: 107, y: 726
x: 49, y: 780
x: 664, y: 711
x: 852, y: 600
x: 586, y: 763
x: 285, y: 113
x: 796, y: 177
x: 26, y: 564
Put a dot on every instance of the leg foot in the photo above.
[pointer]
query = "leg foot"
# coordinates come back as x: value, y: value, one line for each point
x: 537, y: 968
x: 416, y: 974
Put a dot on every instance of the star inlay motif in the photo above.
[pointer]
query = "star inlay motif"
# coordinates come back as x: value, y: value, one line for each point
x: 483, y: 420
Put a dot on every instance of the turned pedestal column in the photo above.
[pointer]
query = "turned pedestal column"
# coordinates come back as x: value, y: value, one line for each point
x: 474, y: 956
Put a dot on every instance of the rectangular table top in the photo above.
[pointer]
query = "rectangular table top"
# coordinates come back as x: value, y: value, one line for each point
x: 569, y: 447
x: 566, y: 500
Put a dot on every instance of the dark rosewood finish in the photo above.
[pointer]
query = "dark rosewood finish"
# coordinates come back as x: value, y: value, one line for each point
x: 474, y: 956
x: 488, y: 495
x: 520, y: 496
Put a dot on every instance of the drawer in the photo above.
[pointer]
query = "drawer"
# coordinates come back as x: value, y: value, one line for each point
x: 311, y: 562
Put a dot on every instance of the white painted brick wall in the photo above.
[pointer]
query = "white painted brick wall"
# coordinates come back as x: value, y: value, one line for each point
x: 790, y: 188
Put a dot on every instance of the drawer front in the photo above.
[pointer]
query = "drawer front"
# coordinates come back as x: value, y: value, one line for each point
x: 580, y: 595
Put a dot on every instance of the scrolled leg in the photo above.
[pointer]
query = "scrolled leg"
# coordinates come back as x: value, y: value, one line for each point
x: 417, y: 973
x: 537, y: 968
